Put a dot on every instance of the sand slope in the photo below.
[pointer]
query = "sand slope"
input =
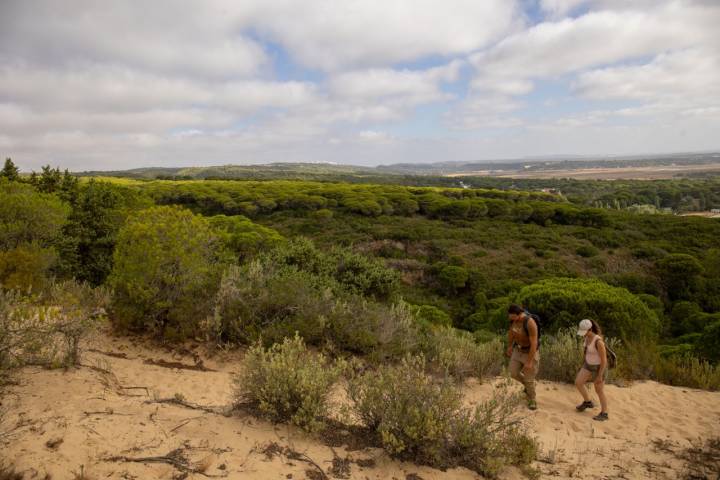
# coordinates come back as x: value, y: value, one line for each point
x: 61, y: 422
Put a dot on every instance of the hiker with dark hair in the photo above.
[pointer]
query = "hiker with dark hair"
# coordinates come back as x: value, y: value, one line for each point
x: 522, y: 349
x: 594, y: 369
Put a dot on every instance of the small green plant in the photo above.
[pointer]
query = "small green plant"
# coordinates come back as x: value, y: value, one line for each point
x: 286, y: 382
x: 587, y: 251
x: 420, y: 418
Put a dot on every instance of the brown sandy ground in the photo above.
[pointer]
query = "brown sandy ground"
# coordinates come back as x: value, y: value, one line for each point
x: 103, y: 420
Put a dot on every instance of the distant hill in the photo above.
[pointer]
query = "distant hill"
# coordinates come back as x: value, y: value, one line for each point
x: 507, y: 168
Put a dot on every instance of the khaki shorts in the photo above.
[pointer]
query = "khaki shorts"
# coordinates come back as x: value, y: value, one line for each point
x: 594, y: 369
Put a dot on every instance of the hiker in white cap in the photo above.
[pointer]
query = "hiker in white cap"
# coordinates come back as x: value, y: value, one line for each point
x: 594, y: 368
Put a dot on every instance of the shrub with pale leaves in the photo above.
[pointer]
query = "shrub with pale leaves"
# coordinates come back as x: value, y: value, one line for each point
x: 287, y: 383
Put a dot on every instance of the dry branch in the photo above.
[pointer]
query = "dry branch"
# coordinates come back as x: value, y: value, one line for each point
x: 175, y: 458
x: 186, y: 404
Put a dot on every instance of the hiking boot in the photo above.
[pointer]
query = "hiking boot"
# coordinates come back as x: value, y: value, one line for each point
x: 532, y: 404
x: 601, y: 417
x: 584, y: 406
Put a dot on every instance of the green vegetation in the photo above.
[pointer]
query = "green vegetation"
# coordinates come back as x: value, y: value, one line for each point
x: 378, y: 265
x: 287, y: 383
x: 563, y: 300
x: 398, y: 283
x: 421, y: 419
x: 167, y: 263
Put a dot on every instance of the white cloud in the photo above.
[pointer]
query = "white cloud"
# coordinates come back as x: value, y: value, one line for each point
x: 412, y: 86
x: 123, y: 84
x: 552, y: 49
x: 374, y: 136
x: 485, y: 111
x: 687, y: 75
x: 179, y: 37
x: 332, y: 35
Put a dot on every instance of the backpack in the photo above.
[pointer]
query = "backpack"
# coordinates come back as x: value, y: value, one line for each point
x: 535, y: 317
x: 611, y: 357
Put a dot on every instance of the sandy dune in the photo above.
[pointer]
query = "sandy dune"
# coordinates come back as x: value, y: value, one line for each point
x: 61, y: 423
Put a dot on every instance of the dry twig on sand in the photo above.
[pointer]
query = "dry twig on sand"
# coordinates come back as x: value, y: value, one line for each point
x: 272, y: 449
x: 176, y: 458
x: 178, y: 400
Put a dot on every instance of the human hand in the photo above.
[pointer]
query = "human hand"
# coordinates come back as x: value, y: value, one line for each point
x: 508, y: 352
x: 527, y: 369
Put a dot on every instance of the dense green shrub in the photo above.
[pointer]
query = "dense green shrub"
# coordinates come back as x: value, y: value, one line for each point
x: 433, y: 315
x: 587, y: 251
x: 452, y: 278
x: 26, y: 267
x: 30, y: 223
x: 708, y: 343
x: 27, y: 216
x: 363, y: 275
x: 287, y: 383
x: 421, y: 419
x: 562, y: 302
x: 242, y: 236
x: 167, y: 266
x: 679, y: 273
x: 86, y: 247
x: 355, y: 272
x: 269, y: 301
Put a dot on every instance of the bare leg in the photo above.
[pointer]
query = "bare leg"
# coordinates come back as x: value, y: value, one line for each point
x: 600, y: 390
x: 583, y: 376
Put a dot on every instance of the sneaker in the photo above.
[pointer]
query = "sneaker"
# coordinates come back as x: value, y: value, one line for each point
x: 532, y: 404
x: 601, y: 417
x: 584, y: 406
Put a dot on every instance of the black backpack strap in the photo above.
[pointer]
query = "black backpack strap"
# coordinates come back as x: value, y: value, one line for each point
x: 528, y: 317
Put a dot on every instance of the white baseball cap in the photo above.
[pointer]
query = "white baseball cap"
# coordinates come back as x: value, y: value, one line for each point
x: 584, y: 326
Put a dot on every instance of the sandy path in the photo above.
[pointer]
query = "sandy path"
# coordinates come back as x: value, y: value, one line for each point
x: 60, y: 422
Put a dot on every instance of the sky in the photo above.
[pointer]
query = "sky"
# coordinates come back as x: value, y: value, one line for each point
x: 89, y: 85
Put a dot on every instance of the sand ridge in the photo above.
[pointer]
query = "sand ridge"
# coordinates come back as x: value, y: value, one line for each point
x: 99, y: 417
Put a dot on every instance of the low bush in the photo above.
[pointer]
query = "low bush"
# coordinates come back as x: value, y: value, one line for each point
x: 587, y: 251
x: 365, y: 327
x: 272, y: 301
x: 457, y: 353
x: 356, y: 273
x: 76, y: 308
x: 264, y: 300
x: 287, y: 383
x: 560, y: 356
x: 421, y: 419
x: 433, y: 315
x: 48, y: 331
x: 687, y: 371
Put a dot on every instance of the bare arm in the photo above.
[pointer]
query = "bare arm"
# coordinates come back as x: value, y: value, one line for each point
x: 533, y: 334
x: 600, y: 345
x: 508, y: 352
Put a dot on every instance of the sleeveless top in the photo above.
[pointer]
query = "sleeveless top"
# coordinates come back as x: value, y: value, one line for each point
x: 592, y: 356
